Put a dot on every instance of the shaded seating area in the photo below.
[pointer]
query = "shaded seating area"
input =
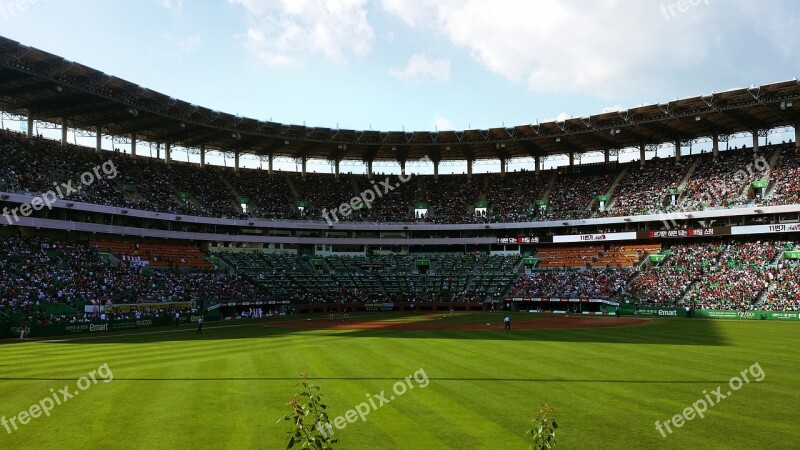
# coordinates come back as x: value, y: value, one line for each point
x: 155, y: 255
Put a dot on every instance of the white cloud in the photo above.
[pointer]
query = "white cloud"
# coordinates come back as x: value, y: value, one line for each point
x: 413, y: 13
x: 286, y: 32
x: 607, y: 48
x: 175, y: 6
x: 442, y: 124
x: 562, y: 116
x: 420, y: 67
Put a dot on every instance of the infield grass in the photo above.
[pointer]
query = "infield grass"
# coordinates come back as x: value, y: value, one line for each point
x: 227, y: 388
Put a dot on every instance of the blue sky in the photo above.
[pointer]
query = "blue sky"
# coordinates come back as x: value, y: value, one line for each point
x: 419, y: 64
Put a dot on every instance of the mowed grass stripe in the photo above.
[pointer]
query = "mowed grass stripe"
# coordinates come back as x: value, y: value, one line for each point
x: 227, y: 388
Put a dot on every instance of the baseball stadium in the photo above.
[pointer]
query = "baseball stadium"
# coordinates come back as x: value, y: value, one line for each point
x: 633, y: 274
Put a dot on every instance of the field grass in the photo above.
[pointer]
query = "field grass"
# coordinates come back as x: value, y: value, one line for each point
x: 228, y: 387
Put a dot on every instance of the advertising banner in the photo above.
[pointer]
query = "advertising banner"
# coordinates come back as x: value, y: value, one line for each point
x: 595, y: 237
x: 62, y: 329
x: 652, y: 311
x: 766, y: 229
x: 658, y: 311
x: 748, y: 315
x: 387, y: 306
x: 691, y: 232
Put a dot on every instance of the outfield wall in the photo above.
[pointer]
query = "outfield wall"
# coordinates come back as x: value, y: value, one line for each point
x: 658, y: 311
x: 424, y: 307
x: 65, y: 329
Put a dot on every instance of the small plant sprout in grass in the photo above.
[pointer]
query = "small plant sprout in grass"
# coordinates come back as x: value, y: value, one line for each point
x: 543, y: 430
x: 308, y: 412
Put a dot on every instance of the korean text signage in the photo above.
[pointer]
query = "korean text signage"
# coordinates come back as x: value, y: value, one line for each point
x: 595, y: 237
x: 657, y: 311
x: 388, y: 306
x: 691, y: 232
x: 766, y: 229
x: 518, y: 240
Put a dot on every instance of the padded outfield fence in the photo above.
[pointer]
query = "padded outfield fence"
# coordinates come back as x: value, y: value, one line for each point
x: 10, y: 330
x: 65, y: 329
x: 657, y: 311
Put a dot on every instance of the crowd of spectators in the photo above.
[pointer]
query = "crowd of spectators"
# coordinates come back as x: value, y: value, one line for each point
x: 581, y: 283
x: 785, y: 177
x: 644, y: 190
x: 720, y: 182
x: 394, y: 206
x: 452, y: 199
x: 325, y: 192
x: 33, y: 165
x: 719, y: 275
x: 574, y: 195
x: 269, y: 196
x: 785, y: 292
x: 203, y: 186
x: 36, y: 271
x: 513, y: 196
x: 167, y: 312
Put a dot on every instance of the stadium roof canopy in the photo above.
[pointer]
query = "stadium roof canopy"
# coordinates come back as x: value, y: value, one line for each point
x: 48, y: 87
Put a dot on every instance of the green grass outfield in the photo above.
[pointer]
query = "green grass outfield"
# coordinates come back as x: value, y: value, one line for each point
x: 227, y: 388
